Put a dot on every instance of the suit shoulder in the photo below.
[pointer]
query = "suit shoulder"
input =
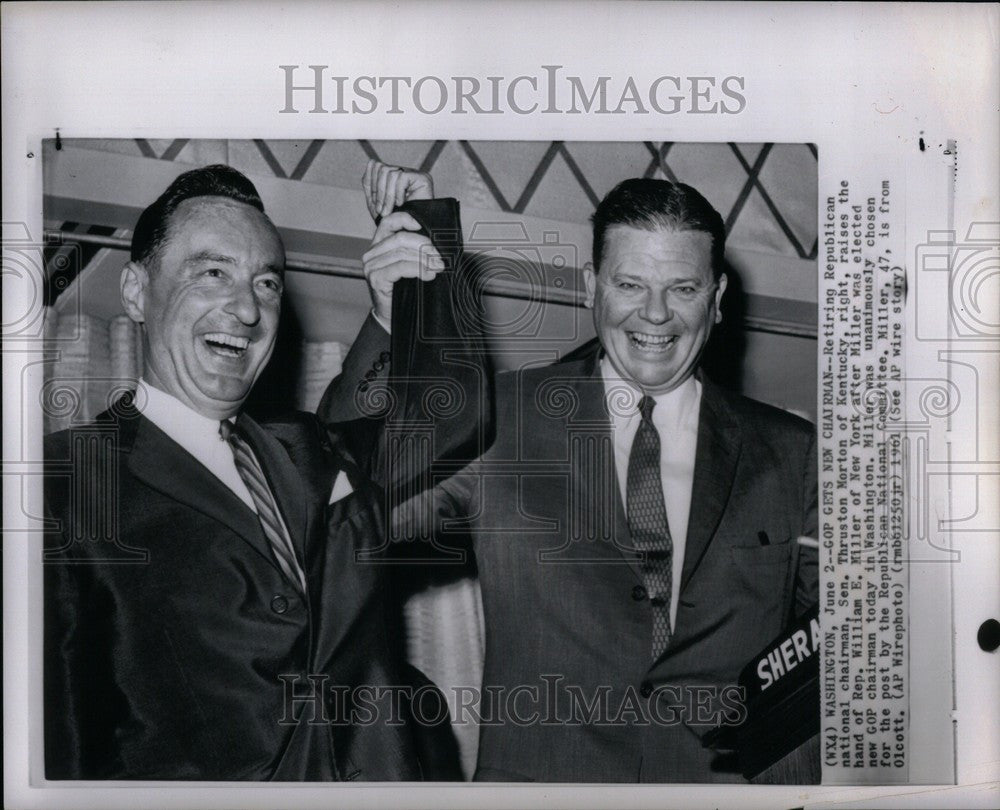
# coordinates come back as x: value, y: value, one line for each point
x: 312, y: 444
x: 296, y: 430
x: 295, y: 426
x: 528, y: 380
x: 121, y: 423
x: 769, y: 419
x: 525, y: 396
x: 289, y: 420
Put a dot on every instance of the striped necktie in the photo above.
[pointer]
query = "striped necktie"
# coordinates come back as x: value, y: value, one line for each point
x: 267, y: 507
x: 647, y: 521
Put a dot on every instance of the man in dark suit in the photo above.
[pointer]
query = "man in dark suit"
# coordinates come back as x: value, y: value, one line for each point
x: 206, y: 613
x: 640, y: 533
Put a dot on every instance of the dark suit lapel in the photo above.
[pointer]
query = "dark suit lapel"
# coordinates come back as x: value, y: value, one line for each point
x: 716, y: 458
x: 594, y: 475
x: 164, y: 465
x: 286, y: 483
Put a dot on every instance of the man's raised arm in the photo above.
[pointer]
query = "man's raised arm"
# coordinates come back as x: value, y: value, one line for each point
x: 418, y: 371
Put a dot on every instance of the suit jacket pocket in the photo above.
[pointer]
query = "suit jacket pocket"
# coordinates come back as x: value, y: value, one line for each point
x: 758, y: 554
x: 759, y: 579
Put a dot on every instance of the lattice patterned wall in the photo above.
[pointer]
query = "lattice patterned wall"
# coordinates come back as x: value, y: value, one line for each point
x: 765, y: 191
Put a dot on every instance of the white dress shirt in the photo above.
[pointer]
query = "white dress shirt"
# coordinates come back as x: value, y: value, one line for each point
x: 197, y: 434
x: 676, y: 420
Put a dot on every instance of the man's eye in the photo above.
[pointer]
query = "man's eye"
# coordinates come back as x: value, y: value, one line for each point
x: 627, y: 285
x: 687, y: 290
x: 213, y: 272
x: 272, y: 284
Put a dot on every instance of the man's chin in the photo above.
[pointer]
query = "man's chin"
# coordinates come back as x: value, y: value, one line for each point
x: 235, y: 393
x: 659, y: 381
x: 221, y: 395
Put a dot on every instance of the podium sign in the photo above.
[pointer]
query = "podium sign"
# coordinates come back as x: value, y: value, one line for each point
x: 778, y: 743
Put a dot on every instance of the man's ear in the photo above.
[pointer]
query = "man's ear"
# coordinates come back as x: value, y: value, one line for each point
x: 723, y: 281
x: 590, y: 280
x: 132, y: 284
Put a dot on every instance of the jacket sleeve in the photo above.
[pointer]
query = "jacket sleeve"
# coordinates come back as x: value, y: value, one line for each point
x: 433, y: 524
x: 367, y: 361
x: 353, y: 394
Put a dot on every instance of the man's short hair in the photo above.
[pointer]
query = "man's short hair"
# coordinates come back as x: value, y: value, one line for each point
x: 210, y: 181
x: 649, y: 204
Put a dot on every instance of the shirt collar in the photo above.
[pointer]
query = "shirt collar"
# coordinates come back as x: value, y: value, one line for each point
x: 172, y: 416
x: 673, y: 408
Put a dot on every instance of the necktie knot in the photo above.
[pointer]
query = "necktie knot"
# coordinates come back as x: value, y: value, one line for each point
x: 646, y: 405
x: 228, y: 431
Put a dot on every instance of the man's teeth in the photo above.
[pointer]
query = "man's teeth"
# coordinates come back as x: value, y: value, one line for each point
x: 228, y: 342
x: 651, y: 341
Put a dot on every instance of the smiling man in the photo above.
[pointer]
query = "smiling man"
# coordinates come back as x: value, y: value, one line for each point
x: 656, y: 301
x: 209, y: 299
x: 205, y: 613
x: 635, y: 527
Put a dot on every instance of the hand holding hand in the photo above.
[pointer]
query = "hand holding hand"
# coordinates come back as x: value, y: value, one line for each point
x: 387, y: 187
x: 397, y: 252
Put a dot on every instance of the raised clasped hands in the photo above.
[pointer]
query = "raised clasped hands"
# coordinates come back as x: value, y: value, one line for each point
x: 397, y: 250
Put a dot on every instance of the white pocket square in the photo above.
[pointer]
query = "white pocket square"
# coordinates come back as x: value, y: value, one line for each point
x: 341, y: 488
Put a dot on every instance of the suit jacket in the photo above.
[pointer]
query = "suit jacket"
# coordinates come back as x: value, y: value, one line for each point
x: 567, y: 620
x: 176, y: 648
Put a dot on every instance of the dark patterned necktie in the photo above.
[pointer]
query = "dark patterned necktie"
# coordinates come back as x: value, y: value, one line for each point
x: 267, y: 507
x: 647, y: 521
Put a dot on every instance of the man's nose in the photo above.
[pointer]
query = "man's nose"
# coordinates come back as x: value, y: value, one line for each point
x: 243, y: 305
x: 656, y: 308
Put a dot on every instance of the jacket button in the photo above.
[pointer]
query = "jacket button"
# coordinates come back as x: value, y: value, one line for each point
x: 370, y: 375
x: 363, y: 386
x: 638, y: 593
x: 657, y: 602
x: 384, y: 357
x: 646, y: 689
x: 279, y: 604
x: 379, y: 365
